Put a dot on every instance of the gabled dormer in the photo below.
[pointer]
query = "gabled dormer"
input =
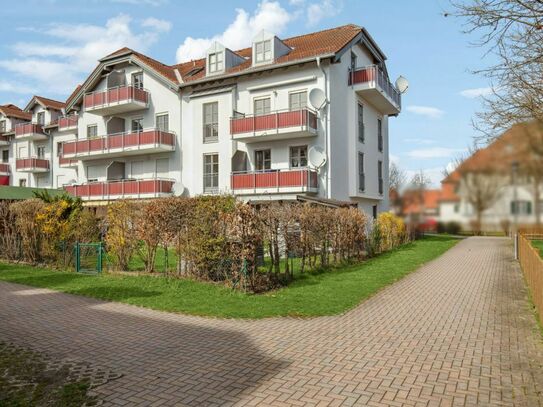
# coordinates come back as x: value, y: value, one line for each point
x: 219, y: 59
x: 267, y: 48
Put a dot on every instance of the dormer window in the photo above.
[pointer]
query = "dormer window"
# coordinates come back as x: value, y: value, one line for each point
x: 263, y: 51
x: 137, y: 80
x: 41, y: 118
x: 216, y: 62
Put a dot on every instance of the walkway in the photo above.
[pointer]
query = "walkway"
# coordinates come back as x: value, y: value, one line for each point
x: 457, y: 332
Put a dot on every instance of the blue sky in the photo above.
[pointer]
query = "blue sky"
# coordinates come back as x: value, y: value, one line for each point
x: 50, y: 45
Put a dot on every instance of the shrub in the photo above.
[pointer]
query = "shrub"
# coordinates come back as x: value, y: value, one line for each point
x: 392, y: 231
x: 453, y: 228
x: 9, y: 238
x: 121, y: 240
x: 25, y: 222
x: 441, y: 227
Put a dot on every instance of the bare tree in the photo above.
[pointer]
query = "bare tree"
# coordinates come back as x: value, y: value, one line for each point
x: 419, y: 184
x: 397, y: 179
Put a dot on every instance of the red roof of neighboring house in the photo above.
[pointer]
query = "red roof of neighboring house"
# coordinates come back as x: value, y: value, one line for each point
x: 10, y: 110
x: 412, y: 200
x: 46, y: 102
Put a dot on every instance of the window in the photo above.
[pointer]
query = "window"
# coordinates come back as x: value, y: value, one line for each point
x: 298, y: 157
x: 361, y: 173
x: 360, y: 122
x: 380, y: 176
x: 2, y: 126
x: 22, y: 182
x: 137, y: 169
x: 211, y: 122
x: 262, y: 106
x: 41, y: 152
x: 92, y: 131
x: 521, y: 208
x: 297, y: 100
x: 216, y: 62
x: 374, y: 211
x: 380, y: 135
x: 263, y: 51
x: 211, y: 173
x: 5, y: 156
x: 41, y: 118
x: 137, y: 125
x: 263, y: 160
x: 162, y: 168
x: 456, y: 208
x: 162, y: 122
x: 137, y: 80
x: 59, y: 149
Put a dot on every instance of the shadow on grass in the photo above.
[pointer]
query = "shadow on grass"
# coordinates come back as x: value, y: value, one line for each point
x: 115, y: 293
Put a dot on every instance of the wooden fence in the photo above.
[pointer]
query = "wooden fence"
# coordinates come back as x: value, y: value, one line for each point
x: 532, y: 267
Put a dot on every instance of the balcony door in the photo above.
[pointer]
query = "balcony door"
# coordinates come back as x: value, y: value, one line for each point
x: 136, y: 169
x: 262, y: 106
x: 263, y: 160
x: 137, y: 125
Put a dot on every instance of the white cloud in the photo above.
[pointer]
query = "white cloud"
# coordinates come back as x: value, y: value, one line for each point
x: 434, y: 174
x: 157, y: 24
x: 476, y: 92
x: 430, y: 112
x: 416, y: 140
x: 14, y: 87
x: 318, y: 11
x: 57, y: 68
x: 394, y: 159
x: 269, y: 15
x: 433, y: 152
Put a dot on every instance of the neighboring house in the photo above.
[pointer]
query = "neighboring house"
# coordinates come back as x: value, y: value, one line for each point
x: 513, y: 200
x: 421, y: 207
x: 237, y: 122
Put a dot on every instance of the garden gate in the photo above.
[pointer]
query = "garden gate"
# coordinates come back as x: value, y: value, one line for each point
x: 88, y: 257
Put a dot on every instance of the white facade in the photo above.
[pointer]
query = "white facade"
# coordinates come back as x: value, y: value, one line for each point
x: 255, y: 125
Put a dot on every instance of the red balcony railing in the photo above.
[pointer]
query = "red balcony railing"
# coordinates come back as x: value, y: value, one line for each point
x: 25, y: 129
x: 375, y: 77
x: 66, y: 162
x: 121, y: 189
x: 304, y: 118
x: 304, y: 178
x: 115, y: 96
x: 4, y: 168
x: 120, y: 141
x: 67, y: 122
x: 31, y: 164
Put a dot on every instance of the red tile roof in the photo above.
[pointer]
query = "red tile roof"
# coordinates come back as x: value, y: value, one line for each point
x: 412, y: 202
x: 49, y: 103
x: 10, y: 110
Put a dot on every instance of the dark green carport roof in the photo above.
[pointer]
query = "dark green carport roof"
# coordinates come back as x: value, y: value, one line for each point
x: 17, y: 193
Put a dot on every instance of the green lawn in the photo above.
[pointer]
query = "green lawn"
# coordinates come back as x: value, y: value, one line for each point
x: 311, y: 294
x: 538, y: 244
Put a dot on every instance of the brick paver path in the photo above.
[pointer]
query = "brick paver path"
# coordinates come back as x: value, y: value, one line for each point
x: 457, y: 332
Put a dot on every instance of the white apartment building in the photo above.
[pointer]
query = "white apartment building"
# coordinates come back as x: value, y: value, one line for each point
x: 235, y: 122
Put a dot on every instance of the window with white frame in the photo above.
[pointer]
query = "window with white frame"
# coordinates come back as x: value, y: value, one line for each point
x: 92, y: 131
x: 360, y: 116
x: 263, y: 51
x: 162, y: 122
x: 211, y: 173
x: 59, y: 148
x: 41, y: 118
x: 298, y: 157
x: 263, y: 160
x: 262, y: 106
x: 211, y: 122
x: 137, y: 80
x: 521, y: 207
x: 2, y: 126
x: 137, y: 125
x: 361, y: 173
x: 216, y: 62
x: 41, y: 151
x: 297, y: 100
x: 380, y: 135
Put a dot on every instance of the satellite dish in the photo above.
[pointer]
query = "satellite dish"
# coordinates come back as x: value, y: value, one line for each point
x: 178, y: 188
x: 402, y: 84
x: 317, y: 156
x: 317, y: 98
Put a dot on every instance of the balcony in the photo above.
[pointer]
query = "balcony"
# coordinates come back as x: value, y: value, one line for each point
x: 121, y: 189
x: 67, y: 123
x: 120, y: 99
x: 278, y: 125
x: 275, y: 181
x: 121, y: 144
x: 29, y: 131
x: 32, y: 165
x: 4, y: 141
x: 66, y: 162
x: 373, y: 85
x: 4, y: 169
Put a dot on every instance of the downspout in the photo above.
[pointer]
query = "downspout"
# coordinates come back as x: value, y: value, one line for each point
x: 326, y: 138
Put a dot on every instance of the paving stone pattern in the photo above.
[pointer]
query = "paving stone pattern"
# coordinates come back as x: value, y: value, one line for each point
x: 459, y: 331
